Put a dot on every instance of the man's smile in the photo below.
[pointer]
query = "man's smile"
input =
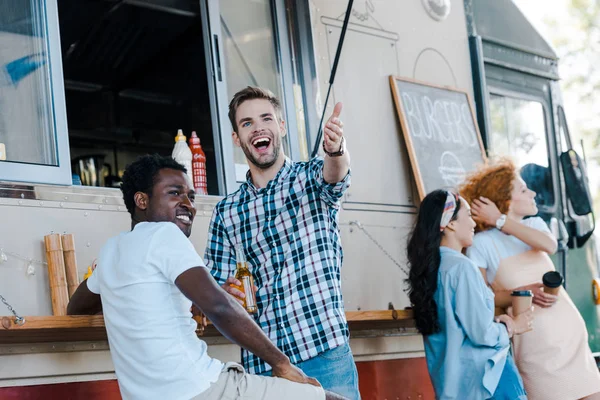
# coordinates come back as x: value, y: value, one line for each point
x: 185, y: 216
x: 261, y: 143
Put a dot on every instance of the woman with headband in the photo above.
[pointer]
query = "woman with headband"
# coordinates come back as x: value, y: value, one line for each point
x: 466, y: 348
x: 554, y: 360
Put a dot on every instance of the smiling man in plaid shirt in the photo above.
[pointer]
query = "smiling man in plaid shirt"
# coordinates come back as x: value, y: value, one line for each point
x: 286, y: 218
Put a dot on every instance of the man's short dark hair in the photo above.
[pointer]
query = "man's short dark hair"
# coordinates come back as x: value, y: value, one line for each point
x: 252, y: 93
x: 139, y: 176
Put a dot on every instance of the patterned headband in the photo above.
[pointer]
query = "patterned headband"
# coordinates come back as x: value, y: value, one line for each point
x: 449, y: 208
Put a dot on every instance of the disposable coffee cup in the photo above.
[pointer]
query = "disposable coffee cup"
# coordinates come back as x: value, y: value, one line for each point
x: 552, y: 281
x: 521, y: 301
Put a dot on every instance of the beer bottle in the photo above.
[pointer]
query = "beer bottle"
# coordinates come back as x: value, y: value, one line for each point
x: 243, y: 274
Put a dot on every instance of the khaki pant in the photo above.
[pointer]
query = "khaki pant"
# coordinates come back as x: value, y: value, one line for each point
x: 234, y: 383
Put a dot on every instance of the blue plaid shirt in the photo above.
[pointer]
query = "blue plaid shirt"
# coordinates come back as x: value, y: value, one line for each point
x: 289, y: 232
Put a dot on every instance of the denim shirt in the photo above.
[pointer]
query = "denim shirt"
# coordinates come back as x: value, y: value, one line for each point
x: 466, y: 358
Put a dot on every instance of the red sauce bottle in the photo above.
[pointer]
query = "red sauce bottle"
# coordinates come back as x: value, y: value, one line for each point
x: 198, y: 165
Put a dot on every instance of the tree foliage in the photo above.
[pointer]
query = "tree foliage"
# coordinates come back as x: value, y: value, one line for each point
x: 576, y: 38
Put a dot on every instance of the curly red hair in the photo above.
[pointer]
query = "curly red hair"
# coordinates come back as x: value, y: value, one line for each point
x: 493, y: 181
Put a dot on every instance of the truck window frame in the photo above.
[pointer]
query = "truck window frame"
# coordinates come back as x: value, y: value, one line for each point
x: 504, y: 90
x: 15, y: 171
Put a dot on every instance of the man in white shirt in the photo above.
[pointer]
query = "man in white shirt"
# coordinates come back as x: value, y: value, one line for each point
x: 146, y: 281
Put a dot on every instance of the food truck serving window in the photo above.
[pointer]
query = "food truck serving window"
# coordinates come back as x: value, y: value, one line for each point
x: 134, y: 74
x: 33, y: 142
x: 128, y: 75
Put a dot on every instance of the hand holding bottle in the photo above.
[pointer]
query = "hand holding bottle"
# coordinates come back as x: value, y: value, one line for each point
x: 231, y: 286
x: 200, y: 318
x: 241, y: 287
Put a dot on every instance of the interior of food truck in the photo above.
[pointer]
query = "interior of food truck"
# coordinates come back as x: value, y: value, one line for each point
x: 130, y: 86
x: 114, y: 79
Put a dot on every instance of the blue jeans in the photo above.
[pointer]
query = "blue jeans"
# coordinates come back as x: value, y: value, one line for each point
x: 510, y: 386
x: 335, y: 370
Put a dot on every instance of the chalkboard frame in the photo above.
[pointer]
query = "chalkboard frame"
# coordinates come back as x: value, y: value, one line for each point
x: 412, y: 155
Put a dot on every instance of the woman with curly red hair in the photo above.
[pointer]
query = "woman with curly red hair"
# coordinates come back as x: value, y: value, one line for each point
x: 512, y: 251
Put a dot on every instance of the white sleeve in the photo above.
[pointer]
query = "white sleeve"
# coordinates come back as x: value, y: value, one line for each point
x: 172, y: 252
x: 477, y: 253
x: 537, y: 223
x: 92, y: 282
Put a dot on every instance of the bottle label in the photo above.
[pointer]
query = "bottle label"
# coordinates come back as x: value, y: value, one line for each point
x: 248, y: 291
x: 199, y: 172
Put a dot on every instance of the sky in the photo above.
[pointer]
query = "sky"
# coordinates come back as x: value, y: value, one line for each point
x: 538, y: 10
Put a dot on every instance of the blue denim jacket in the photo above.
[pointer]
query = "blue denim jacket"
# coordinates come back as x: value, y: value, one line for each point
x: 466, y: 359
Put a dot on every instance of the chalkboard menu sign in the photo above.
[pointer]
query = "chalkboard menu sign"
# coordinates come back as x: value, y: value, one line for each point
x: 440, y: 131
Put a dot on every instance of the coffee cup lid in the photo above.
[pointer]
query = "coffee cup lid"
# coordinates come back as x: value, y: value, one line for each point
x: 523, y: 293
x: 552, y: 279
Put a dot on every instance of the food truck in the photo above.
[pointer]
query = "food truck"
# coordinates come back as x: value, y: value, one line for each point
x: 86, y: 86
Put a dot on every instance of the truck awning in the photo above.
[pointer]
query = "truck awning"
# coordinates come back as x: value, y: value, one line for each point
x: 489, y: 19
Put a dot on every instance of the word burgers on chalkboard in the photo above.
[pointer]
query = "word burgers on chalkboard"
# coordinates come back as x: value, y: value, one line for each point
x: 440, y: 131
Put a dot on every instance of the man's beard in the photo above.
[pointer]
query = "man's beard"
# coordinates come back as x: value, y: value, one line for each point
x: 276, y: 143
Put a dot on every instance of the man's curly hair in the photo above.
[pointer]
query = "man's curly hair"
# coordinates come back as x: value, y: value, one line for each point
x: 494, y: 181
x: 139, y: 176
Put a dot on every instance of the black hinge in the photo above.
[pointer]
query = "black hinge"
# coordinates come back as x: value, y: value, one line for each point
x: 217, y: 56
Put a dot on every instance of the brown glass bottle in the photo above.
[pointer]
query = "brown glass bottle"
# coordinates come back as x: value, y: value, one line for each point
x: 243, y: 274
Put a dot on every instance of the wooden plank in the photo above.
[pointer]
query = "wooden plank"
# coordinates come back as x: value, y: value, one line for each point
x: 40, y: 329
x: 378, y: 315
x: 57, y: 322
x: 95, y: 321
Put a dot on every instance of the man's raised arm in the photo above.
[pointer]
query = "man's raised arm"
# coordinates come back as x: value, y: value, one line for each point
x: 336, y: 167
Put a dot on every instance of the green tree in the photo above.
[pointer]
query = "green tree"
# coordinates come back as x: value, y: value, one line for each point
x: 576, y: 38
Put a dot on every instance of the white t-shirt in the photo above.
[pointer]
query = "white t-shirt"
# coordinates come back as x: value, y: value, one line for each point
x: 151, y: 333
x: 490, y: 246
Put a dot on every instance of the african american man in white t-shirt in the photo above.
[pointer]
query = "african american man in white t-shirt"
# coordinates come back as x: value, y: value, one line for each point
x: 145, y: 283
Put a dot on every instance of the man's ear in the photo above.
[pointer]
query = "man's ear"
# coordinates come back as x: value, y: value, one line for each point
x: 141, y: 200
x: 236, y: 138
x: 282, y: 128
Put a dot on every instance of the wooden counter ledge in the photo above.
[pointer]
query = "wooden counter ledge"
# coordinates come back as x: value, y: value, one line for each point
x: 40, y: 329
